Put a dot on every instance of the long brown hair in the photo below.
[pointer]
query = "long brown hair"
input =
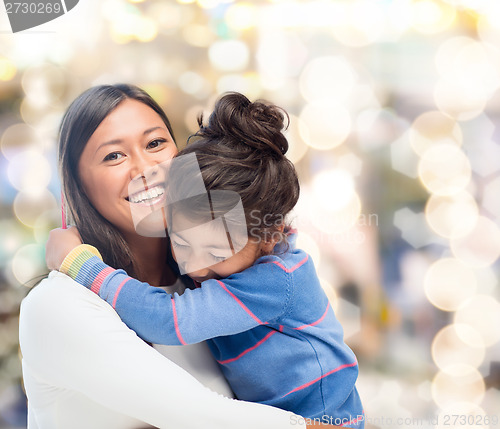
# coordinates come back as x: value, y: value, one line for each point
x: 78, y: 124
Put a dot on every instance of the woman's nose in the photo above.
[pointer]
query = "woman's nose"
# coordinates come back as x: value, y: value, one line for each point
x: 143, y: 167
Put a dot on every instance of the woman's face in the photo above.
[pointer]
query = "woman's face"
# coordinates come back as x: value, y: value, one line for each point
x: 131, y: 140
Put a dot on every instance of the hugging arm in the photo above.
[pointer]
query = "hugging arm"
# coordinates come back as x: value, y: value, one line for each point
x: 76, y: 342
x: 219, y: 307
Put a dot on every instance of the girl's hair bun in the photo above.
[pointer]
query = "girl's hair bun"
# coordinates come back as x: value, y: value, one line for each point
x: 258, y: 124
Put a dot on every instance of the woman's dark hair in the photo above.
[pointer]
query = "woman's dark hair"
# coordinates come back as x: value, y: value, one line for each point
x: 80, y: 121
x: 242, y: 149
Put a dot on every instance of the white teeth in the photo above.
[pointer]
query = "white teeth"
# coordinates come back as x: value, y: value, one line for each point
x: 147, y: 195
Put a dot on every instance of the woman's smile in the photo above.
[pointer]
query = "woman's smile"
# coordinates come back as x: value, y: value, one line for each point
x: 149, y: 196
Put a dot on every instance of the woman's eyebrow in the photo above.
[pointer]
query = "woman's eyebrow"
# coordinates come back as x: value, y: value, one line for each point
x: 117, y: 141
x: 150, y: 130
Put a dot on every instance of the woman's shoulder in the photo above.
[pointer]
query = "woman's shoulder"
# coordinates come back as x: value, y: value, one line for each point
x: 57, y: 291
x: 59, y: 312
x: 58, y: 301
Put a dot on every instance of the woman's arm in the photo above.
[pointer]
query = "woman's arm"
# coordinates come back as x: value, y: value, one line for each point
x: 75, y: 341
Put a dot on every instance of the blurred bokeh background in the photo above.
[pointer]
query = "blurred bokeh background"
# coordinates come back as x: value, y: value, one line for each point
x: 394, y: 106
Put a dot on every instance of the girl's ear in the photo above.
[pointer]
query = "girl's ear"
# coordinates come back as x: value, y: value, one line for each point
x: 270, y: 239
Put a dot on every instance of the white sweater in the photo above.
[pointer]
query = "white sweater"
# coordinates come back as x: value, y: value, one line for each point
x: 84, y: 368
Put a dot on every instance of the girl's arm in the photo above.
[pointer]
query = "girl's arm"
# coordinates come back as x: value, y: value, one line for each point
x: 218, y: 308
x: 76, y: 342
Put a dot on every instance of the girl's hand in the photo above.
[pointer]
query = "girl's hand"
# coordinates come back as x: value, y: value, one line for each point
x: 60, y: 243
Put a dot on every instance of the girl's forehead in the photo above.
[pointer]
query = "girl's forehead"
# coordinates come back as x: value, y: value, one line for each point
x: 184, y: 224
x: 210, y: 233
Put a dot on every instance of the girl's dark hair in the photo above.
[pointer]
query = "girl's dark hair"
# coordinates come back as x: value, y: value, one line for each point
x: 242, y: 149
x: 80, y: 121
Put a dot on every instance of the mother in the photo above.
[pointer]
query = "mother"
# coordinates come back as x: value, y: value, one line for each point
x: 82, y: 367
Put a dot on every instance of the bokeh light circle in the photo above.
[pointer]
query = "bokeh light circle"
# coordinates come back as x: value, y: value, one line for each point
x: 488, y: 24
x: 229, y: 55
x: 17, y: 138
x: 241, y: 16
x: 452, y: 216
x: 481, y: 246
x: 430, y: 16
x: 327, y: 78
x: 444, y: 169
x: 449, y: 350
x: 480, y: 62
x: 465, y: 60
x: 460, y: 100
x: 448, y: 52
x: 297, y: 148
x: 431, y: 128
x: 44, y: 223
x: 361, y: 23
x: 193, y: 83
x: 29, y: 171
x: 335, y: 221
x: 482, y: 313
x: 44, y: 84
x: 28, y: 263
x: 323, y: 126
x: 469, y: 73
x: 147, y: 30
x: 198, y: 35
x: 333, y: 189
x: 7, y: 69
x: 28, y: 206
x: 469, y: 335
x: 40, y: 117
x: 448, y: 283
x: 459, y: 383
x: 13, y: 236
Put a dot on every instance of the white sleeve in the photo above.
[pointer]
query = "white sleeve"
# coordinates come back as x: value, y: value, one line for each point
x: 76, y: 341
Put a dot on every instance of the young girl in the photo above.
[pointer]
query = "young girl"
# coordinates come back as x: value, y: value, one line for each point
x: 260, y: 304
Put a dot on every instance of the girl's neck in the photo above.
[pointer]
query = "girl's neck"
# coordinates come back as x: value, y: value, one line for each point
x: 150, y: 258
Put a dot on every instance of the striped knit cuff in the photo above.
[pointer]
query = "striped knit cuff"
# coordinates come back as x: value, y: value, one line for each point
x: 77, y: 257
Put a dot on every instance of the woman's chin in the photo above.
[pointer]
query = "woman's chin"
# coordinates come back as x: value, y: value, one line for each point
x: 151, y: 224
x: 149, y: 217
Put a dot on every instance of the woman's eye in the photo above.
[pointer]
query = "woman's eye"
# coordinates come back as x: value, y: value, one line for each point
x: 114, y: 156
x: 156, y: 143
x: 178, y: 244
